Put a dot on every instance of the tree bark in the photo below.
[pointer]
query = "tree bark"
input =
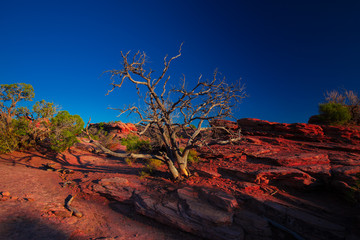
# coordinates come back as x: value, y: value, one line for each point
x: 174, y: 172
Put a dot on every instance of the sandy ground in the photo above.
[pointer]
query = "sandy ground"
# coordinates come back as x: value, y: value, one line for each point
x: 35, y: 208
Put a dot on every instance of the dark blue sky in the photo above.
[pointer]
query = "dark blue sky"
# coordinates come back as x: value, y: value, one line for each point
x: 288, y: 53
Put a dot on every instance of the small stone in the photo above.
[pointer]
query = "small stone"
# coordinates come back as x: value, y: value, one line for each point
x: 29, y: 199
x: 114, y: 180
x: 5, y: 194
x: 208, y: 173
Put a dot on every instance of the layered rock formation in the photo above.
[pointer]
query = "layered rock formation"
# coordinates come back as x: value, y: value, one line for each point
x: 281, y: 181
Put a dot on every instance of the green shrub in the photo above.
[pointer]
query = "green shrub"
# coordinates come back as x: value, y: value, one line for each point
x: 44, y: 109
x: 21, y: 128
x: 16, y: 135
x: 10, y: 96
x: 150, y: 167
x: 100, y: 133
x: 8, y: 141
x: 193, y: 155
x: 144, y: 174
x: 154, y: 163
x: 129, y: 161
x: 64, y: 128
x: 334, y: 113
x: 133, y: 143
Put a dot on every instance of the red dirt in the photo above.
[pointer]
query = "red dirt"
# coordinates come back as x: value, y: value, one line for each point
x: 35, y: 209
x: 294, y: 165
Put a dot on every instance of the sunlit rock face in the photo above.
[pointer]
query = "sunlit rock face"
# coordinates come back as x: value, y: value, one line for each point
x: 299, y: 131
x: 280, y: 181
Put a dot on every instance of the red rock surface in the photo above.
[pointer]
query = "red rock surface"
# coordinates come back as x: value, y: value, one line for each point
x: 299, y: 131
x: 281, y: 181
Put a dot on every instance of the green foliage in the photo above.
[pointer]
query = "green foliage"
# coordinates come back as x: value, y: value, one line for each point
x: 22, y: 112
x: 150, y: 167
x: 64, y: 128
x: 8, y: 141
x: 134, y: 144
x: 154, y: 163
x: 341, y: 107
x: 44, y: 109
x: 193, y: 156
x: 13, y: 132
x: 72, y: 123
x: 16, y: 92
x: 10, y: 95
x: 129, y: 161
x: 100, y: 133
x: 334, y: 113
x: 21, y: 128
x: 144, y: 174
x: 17, y: 135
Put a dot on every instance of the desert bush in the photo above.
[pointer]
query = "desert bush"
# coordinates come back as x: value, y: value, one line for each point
x: 337, y: 109
x: 10, y: 96
x: 133, y: 143
x: 13, y: 132
x: 8, y: 141
x: 193, y: 156
x: 150, y: 167
x: 63, y: 131
x: 129, y: 161
x: 44, y: 109
x: 21, y: 128
x: 334, y: 113
x: 100, y: 132
x: 16, y: 135
x: 23, y: 133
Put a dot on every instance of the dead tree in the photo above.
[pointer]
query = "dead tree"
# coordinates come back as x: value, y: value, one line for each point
x: 170, y: 110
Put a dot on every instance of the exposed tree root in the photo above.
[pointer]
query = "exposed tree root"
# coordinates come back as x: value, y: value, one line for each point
x: 73, y: 211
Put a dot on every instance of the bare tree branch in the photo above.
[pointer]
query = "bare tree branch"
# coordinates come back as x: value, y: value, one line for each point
x: 168, y: 111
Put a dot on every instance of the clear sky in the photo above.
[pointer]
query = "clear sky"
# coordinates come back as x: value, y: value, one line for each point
x: 288, y: 53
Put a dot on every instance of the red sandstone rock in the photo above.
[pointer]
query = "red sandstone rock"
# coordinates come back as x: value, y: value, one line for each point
x: 116, y: 188
x: 342, y: 134
x: 318, y: 171
x: 201, y: 211
x: 254, y: 224
x: 121, y: 127
x: 117, y: 147
x: 299, y: 131
x: 290, y: 177
x: 301, y: 222
x: 219, y: 199
x: 286, y: 176
x: 299, y: 159
x: 208, y: 172
x: 248, y: 186
x: 189, y: 213
x: 348, y: 174
x: 116, y: 129
x: 230, y: 125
